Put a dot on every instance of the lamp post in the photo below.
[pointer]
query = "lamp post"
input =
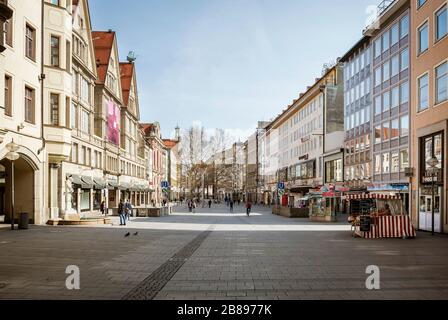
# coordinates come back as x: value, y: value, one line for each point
x: 432, y: 163
x: 12, y: 155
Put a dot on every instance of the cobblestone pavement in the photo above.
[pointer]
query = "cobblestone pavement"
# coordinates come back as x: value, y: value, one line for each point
x: 213, y: 254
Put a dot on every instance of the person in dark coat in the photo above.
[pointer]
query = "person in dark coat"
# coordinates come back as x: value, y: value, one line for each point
x: 122, y: 213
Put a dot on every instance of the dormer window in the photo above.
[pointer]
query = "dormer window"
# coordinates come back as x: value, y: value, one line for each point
x: 111, y: 82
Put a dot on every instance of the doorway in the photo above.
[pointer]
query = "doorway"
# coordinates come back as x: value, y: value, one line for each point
x: 426, y: 206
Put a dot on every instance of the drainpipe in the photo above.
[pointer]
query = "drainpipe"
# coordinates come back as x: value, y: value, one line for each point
x: 42, y: 78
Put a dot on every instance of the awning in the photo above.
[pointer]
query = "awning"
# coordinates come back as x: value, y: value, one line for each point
x: 98, y: 184
x: 87, y: 181
x: 124, y: 186
x: 300, y: 189
x: 112, y: 185
x: 80, y: 182
x: 363, y: 196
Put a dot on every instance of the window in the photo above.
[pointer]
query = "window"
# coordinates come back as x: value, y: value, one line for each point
x: 386, y: 131
x: 378, y: 109
x: 68, y: 55
x: 386, y: 101
x: 85, y: 90
x: 404, y: 57
x: 8, y: 95
x: 441, y: 83
x: 378, y: 79
x: 55, y: 2
x: 394, y: 34
x: 29, y: 105
x: 386, y: 162
x: 423, y: 38
x: 404, y: 93
x: 74, y: 153
x: 30, y: 44
x: 74, y: 116
x: 441, y: 23
x: 386, y: 41
x: 395, y: 129
x: 377, y: 134
x: 386, y: 71
x: 404, y: 124
x: 404, y: 159
x: 423, y: 92
x: 8, y: 28
x: 395, y: 97
x: 395, y: 159
x: 377, y: 164
x: 82, y: 155
x: 395, y: 64
x: 85, y: 125
x: 54, y: 109
x: 404, y: 27
x: 420, y: 3
x: 378, y: 48
x: 54, y: 51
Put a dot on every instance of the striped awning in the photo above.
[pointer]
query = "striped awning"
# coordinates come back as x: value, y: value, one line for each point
x: 362, y: 196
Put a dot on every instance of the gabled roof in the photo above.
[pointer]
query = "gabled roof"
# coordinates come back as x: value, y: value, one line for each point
x: 126, y: 75
x: 170, y: 143
x: 103, y: 44
x: 146, y: 127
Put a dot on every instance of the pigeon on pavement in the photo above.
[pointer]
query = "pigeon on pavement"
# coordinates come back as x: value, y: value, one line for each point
x: 127, y: 234
x: 136, y: 234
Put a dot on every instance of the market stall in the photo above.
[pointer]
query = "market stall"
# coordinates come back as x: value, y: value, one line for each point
x: 379, y: 216
x: 326, y: 204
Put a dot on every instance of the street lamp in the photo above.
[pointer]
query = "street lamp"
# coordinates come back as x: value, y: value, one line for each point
x: 432, y: 163
x: 12, y: 155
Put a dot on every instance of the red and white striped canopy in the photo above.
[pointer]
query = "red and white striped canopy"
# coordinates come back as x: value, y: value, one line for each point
x: 361, y: 196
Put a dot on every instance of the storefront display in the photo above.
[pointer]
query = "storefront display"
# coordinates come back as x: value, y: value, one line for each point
x: 85, y: 200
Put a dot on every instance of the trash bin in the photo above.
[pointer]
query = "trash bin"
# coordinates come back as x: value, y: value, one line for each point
x: 24, y: 220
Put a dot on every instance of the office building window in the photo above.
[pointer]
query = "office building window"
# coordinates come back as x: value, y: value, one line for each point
x: 394, y: 34
x: 386, y: 41
x: 420, y: 3
x: 29, y: 105
x: 85, y: 125
x: 423, y: 38
x: 423, y: 92
x: 377, y: 134
x: 404, y: 124
x: 386, y: 162
x: 404, y: 57
x: 377, y: 164
x: 395, y: 97
x: 54, y: 51
x: 404, y: 27
x: 54, y: 109
x: 74, y: 116
x: 386, y: 131
x: 30, y: 42
x: 377, y: 103
x: 442, y: 83
x: 378, y: 48
x: 395, y: 65
x: 386, y: 71
x: 404, y: 93
x: 404, y: 160
x: 441, y: 23
x: 378, y: 78
x: 395, y: 129
x: 8, y: 95
x: 386, y: 101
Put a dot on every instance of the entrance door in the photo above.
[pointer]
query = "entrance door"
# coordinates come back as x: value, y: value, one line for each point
x: 426, y: 206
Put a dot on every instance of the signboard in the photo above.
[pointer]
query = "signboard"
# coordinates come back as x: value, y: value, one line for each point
x: 365, y: 223
x: 165, y: 185
x: 281, y: 186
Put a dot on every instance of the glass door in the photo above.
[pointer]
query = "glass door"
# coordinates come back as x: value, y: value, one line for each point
x: 426, y: 206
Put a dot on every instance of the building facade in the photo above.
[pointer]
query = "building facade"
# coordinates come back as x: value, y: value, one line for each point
x: 429, y: 114
x: 390, y: 95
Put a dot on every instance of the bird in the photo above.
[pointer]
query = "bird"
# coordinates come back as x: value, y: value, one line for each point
x: 136, y: 234
x: 127, y: 234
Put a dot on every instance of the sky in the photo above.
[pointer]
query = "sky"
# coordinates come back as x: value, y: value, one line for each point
x: 228, y: 63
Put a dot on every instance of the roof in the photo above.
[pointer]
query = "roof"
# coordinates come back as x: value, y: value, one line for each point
x: 358, y: 45
x: 146, y: 127
x: 170, y: 143
x: 126, y: 73
x: 103, y: 42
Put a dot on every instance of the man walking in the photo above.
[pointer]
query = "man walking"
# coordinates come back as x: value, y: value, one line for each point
x: 231, y: 205
x: 122, y: 213
x: 248, y: 208
x: 209, y: 204
x: 128, y: 210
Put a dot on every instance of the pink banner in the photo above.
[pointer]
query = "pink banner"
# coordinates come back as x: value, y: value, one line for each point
x: 113, y: 123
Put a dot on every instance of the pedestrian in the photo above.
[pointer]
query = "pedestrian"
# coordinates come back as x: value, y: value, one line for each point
x: 209, y: 204
x: 194, y: 207
x: 231, y: 205
x: 248, y: 208
x: 190, y: 206
x: 103, y: 208
x: 122, y: 213
x: 128, y: 210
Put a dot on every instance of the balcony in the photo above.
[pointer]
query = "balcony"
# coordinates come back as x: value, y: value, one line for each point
x: 58, y: 143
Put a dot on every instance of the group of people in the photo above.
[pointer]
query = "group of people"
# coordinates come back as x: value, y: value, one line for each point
x: 124, y: 211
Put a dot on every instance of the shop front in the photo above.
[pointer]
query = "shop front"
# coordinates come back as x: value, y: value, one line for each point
x: 431, y: 183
